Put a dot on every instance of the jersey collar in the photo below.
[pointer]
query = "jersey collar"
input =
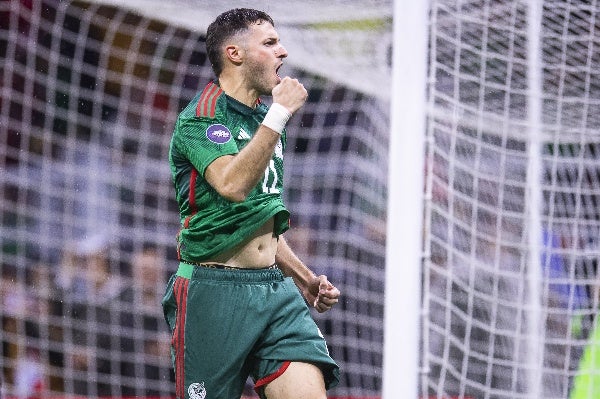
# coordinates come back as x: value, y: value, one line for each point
x: 239, y: 106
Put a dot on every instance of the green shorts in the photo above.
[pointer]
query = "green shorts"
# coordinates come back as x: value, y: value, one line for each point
x: 230, y: 324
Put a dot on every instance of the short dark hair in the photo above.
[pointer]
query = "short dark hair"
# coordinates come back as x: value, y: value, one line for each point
x: 225, y: 26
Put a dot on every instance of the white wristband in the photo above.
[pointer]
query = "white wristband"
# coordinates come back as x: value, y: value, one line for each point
x: 276, y: 118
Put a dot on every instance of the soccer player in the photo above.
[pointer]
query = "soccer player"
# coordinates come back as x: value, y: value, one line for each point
x: 235, y: 306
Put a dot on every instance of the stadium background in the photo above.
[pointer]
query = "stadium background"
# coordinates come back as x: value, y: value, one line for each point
x: 90, y: 93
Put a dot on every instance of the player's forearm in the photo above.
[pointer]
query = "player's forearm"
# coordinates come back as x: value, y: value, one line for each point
x: 317, y: 291
x: 235, y: 176
x: 292, y: 266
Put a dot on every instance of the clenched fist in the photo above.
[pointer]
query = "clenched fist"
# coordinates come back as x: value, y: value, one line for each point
x: 290, y: 93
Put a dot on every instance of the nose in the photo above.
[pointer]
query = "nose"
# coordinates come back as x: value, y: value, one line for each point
x: 281, y: 52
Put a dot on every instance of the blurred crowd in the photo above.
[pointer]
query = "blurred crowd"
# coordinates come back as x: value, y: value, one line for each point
x: 87, y: 326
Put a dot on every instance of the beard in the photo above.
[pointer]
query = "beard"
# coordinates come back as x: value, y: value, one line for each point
x: 261, y: 78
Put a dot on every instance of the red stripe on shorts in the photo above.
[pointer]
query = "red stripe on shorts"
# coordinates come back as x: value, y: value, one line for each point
x: 180, y: 290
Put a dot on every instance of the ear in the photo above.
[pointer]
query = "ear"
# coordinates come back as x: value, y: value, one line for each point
x: 234, y: 53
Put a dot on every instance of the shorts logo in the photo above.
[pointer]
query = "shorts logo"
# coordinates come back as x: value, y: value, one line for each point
x: 218, y: 134
x: 197, y: 390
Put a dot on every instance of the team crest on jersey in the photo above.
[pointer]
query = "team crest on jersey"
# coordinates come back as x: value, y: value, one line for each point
x: 218, y: 133
x: 197, y: 390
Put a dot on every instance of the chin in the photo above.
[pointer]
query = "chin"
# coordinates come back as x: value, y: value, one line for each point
x: 269, y: 90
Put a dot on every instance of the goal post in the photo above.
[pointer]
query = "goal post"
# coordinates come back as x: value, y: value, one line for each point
x: 405, y: 195
x: 533, y: 198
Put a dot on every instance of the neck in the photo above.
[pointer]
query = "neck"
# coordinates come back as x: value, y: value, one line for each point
x: 235, y: 87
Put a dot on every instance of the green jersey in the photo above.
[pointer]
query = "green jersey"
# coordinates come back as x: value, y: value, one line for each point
x: 213, y: 125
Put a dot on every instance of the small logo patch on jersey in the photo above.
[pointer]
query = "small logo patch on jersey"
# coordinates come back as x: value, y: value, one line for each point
x: 218, y: 134
x: 197, y: 390
x: 243, y: 135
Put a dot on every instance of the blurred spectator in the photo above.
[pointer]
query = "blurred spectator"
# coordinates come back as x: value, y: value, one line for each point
x: 148, y: 270
x: 30, y: 375
x: 84, y: 273
x: 11, y: 301
x: 564, y: 292
x: 89, y: 304
x: 148, y: 367
x: 24, y: 312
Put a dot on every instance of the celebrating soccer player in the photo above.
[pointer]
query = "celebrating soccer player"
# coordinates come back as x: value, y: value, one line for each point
x: 235, y: 306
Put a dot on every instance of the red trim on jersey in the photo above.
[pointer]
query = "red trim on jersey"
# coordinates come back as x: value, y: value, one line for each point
x: 265, y: 380
x: 180, y: 290
x: 178, y: 246
x: 207, y: 104
x: 192, y: 197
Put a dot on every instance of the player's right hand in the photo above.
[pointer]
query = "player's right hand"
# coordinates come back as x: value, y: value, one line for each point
x: 290, y: 93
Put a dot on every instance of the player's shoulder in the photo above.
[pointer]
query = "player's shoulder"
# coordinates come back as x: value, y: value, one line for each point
x: 207, y: 102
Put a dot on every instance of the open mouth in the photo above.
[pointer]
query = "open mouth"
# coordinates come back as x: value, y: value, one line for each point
x: 277, y: 70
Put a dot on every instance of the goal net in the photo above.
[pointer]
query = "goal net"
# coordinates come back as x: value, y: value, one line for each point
x: 90, y: 92
x: 89, y: 95
x: 512, y: 220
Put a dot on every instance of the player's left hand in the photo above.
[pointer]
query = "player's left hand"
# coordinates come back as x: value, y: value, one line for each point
x: 322, y: 294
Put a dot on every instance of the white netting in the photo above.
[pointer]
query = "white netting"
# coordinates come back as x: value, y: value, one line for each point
x: 496, y: 324
x: 347, y: 41
x: 89, y: 96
